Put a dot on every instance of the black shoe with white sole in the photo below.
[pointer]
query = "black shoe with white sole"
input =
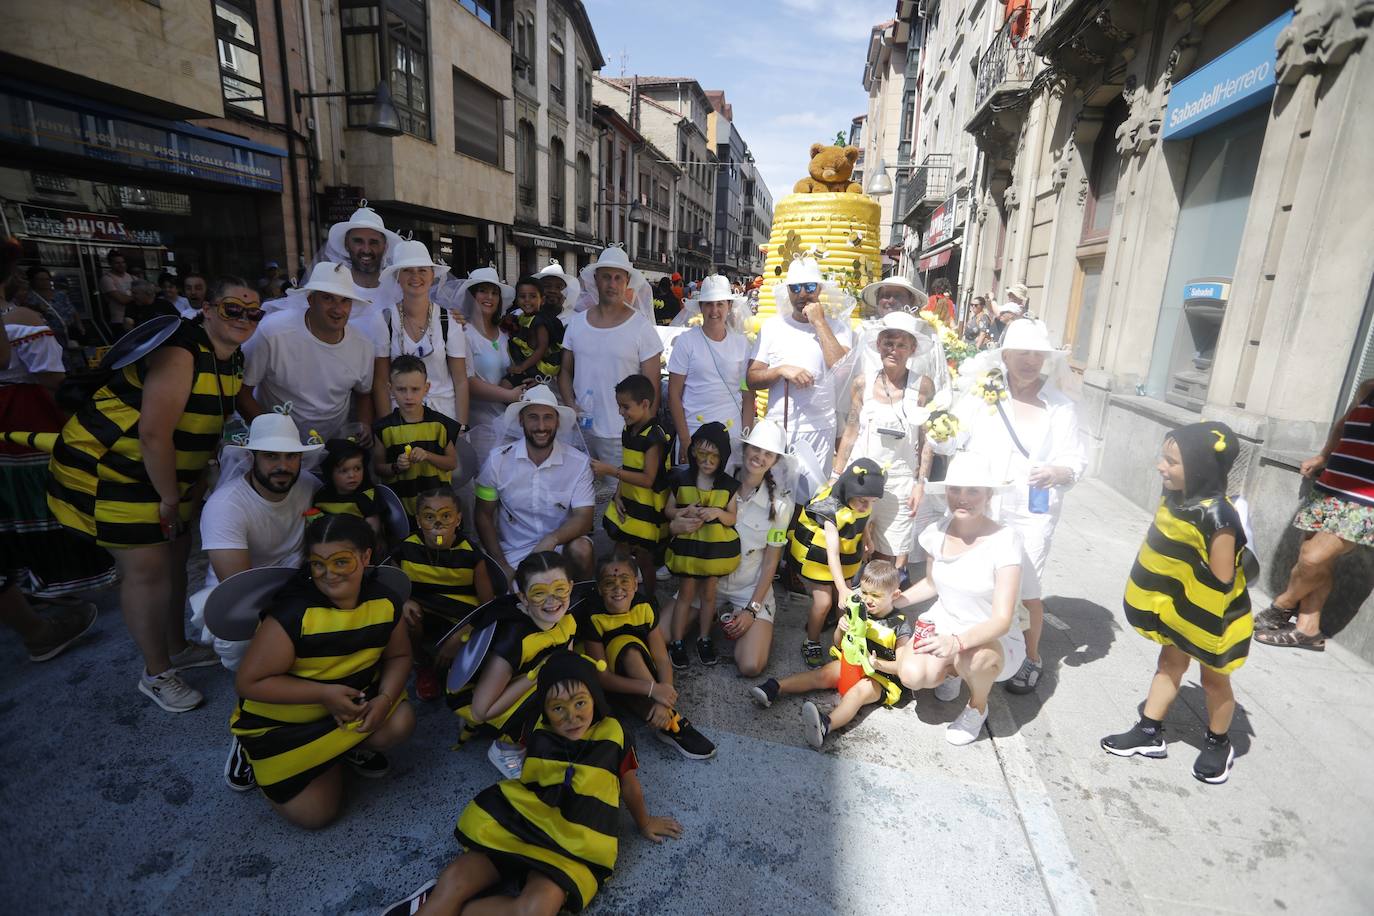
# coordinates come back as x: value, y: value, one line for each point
x: 412, y: 904
x: 368, y: 764
x: 677, y: 654
x: 764, y: 694
x: 238, y: 772
x: 1214, y: 764
x: 1139, y: 740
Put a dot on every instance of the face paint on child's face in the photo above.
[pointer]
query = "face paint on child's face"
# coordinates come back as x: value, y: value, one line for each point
x: 708, y: 457
x: 545, y: 597
x: 877, y: 602
x: 617, y: 586
x: 348, y: 475
x: 1170, y: 466
x: 439, y: 520
x: 569, y: 715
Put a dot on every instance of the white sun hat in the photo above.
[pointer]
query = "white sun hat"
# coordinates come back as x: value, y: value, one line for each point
x: 413, y: 253
x: 715, y: 288
x: 870, y: 292
x: 330, y: 277
x: 616, y: 258
x: 363, y: 218
x: 541, y: 395
x: 555, y: 271
x: 273, y: 431
x: 968, y: 469
x: 907, y: 323
x: 467, y: 305
x: 771, y: 437
x: 1029, y: 334
x: 803, y: 270
x: 1020, y: 291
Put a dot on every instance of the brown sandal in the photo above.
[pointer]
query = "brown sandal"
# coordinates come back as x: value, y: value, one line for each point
x: 1290, y: 638
x: 1274, y: 617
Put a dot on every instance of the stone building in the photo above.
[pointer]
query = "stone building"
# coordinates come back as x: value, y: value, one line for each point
x: 634, y: 207
x: 887, y: 128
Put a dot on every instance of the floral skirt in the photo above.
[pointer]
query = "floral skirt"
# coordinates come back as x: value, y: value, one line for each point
x: 1346, y: 519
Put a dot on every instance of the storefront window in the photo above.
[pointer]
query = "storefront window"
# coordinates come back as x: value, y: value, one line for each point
x: 393, y: 31
x: 240, y: 67
x: 477, y: 119
x: 1216, y: 199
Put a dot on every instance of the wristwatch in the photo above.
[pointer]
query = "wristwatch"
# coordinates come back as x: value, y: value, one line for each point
x: 753, y: 607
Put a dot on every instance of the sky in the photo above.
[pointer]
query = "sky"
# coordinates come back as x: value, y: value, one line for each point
x: 792, y: 74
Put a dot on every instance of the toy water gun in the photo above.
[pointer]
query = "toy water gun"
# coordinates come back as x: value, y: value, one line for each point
x: 854, y: 644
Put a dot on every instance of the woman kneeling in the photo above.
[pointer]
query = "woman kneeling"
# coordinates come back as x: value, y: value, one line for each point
x: 323, y: 681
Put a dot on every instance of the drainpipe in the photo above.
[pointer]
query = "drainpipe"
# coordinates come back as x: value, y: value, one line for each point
x: 287, y: 119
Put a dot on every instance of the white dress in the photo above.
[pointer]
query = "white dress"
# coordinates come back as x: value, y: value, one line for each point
x: 899, y: 454
x: 433, y: 349
x: 488, y: 360
x: 754, y: 527
x: 964, y: 586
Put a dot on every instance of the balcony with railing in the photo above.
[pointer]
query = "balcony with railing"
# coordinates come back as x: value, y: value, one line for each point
x: 1006, y: 67
x: 923, y: 188
x: 694, y: 243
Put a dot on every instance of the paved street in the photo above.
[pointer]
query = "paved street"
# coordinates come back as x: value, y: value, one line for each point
x: 113, y: 806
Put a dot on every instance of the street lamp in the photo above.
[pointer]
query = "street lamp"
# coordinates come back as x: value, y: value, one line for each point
x: 384, y: 120
x: 880, y: 185
x: 636, y: 215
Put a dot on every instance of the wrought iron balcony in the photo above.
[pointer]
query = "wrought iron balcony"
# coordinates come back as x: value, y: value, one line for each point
x: 923, y: 188
x: 1008, y: 64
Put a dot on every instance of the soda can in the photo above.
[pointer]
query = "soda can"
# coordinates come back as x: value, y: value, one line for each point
x: 924, y: 629
x: 727, y: 615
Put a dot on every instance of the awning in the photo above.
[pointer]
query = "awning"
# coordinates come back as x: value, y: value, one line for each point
x: 938, y: 256
x: 546, y: 241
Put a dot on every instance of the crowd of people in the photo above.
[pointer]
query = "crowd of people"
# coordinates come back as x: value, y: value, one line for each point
x: 396, y: 476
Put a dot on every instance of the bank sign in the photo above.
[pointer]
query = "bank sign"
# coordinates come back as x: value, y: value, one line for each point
x: 943, y: 222
x: 1234, y: 83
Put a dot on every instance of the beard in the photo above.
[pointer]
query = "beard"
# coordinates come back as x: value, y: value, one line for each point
x: 271, y: 486
x: 540, y: 439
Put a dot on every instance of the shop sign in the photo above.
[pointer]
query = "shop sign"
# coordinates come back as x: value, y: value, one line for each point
x: 942, y: 222
x: 1237, y: 81
x: 88, y: 227
x: 92, y: 133
x: 338, y: 202
x: 1207, y: 291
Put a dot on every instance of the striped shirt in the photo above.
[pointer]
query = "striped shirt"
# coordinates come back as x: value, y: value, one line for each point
x: 1349, y: 472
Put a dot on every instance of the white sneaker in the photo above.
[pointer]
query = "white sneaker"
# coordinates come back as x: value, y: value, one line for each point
x: 662, y: 574
x: 171, y: 692
x: 509, y: 759
x: 966, y: 728
x: 949, y: 689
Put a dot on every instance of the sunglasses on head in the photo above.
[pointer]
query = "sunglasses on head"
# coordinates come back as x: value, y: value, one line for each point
x: 803, y: 287
x: 233, y: 309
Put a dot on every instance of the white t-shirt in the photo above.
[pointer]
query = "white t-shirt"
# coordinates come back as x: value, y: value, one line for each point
x: 784, y: 341
x: 965, y: 584
x: 364, y: 317
x: 535, y: 499
x: 237, y: 518
x: 755, y: 530
x: 602, y: 358
x: 33, y: 350
x: 712, y: 372
x: 283, y: 362
x: 488, y: 360
x: 433, y: 351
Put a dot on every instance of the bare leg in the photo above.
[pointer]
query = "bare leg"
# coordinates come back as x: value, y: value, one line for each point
x: 706, y: 613
x: 144, y: 593
x: 540, y: 897
x: 682, y: 606
x: 464, y: 878
x: 1221, y: 702
x: 179, y: 555
x: 1312, y: 573
x: 647, y: 570
x: 822, y: 597
x: 1036, y: 607
x: 1173, y: 663
x: 580, y: 552
x: 826, y: 677
x: 318, y: 803
x: 918, y: 670
x: 860, y: 695
x: 979, y: 667
x: 751, y: 649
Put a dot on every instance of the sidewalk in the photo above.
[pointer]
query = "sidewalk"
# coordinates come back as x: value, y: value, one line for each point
x: 115, y: 806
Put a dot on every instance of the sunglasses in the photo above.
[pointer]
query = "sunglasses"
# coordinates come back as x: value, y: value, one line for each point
x: 232, y: 309
x: 343, y: 563
x: 540, y: 595
x: 623, y: 580
x: 441, y: 518
x: 803, y: 287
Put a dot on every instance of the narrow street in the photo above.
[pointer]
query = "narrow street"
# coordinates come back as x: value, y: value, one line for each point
x: 128, y: 813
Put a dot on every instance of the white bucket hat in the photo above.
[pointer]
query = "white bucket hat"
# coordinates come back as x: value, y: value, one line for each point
x: 715, y: 288
x: 276, y: 432
x: 329, y: 277
x: 613, y: 257
x: 363, y: 218
x: 483, y: 275
x: 539, y: 394
x: 413, y: 253
x: 555, y: 271
x: 870, y: 292
x: 968, y: 469
x: 1029, y: 334
x: 907, y: 323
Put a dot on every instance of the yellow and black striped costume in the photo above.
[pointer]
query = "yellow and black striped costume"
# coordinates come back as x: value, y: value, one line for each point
x: 290, y: 744
x: 522, y: 343
x: 433, y: 433
x: 362, y: 502
x: 99, y: 483
x: 808, y: 537
x: 442, y: 579
x: 882, y: 636
x: 618, y: 632
x: 713, y: 549
x: 1173, y: 597
x: 561, y: 817
x: 643, y: 523
x: 524, y: 647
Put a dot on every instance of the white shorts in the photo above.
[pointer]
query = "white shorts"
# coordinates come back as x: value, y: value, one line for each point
x: 1037, y: 533
x: 891, y: 520
x: 610, y: 450
x: 816, y: 457
x: 765, y: 616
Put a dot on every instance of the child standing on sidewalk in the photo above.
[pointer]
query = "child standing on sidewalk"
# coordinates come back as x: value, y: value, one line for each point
x: 879, y: 586
x: 1187, y: 592
x: 635, y: 515
x: 413, y: 448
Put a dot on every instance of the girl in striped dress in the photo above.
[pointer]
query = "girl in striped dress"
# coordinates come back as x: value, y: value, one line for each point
x: 1187, y: 592
x: 348, y: 487
x: 552, y: 830
x: 323, y: 682
x: 704, y: 491
x: 828, y: 543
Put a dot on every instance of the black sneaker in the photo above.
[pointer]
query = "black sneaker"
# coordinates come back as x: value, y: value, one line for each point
x: 238, y: 772
x: 813, y: 653
x: 815, y: 724
x: 1137, y: 741
x: 706, y: 651
x: 677, y: 653
x: 1213, y: 765
x: 764, y: 694
x: 368, y: 764
x: 689, y: 742
x: 412, y: 904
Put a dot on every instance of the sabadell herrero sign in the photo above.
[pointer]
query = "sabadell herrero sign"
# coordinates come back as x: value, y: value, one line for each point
x: 1234, y: 83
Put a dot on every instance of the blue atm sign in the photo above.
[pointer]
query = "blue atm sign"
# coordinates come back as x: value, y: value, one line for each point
x: 1234, y: 83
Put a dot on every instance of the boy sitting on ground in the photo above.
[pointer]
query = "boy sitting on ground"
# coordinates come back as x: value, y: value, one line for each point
x: 887, y: 628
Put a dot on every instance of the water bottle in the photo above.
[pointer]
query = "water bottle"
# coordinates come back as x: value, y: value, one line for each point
x: 585, y: 420
x: 1039, y: 500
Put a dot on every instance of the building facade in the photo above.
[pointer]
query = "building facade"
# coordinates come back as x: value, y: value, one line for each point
x: 888, y: 127
x: 635, y: 172
x: 731, y: 152
x: 756, y: 221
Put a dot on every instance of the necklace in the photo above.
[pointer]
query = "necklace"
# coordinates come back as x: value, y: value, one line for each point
x: 317, y: 336
x: 423, y: 331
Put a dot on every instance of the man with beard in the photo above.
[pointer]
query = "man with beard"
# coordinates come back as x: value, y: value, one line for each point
x: 314, y: 360
x: 255, y: 518
x: 364, y: 245
x: 536, y: 493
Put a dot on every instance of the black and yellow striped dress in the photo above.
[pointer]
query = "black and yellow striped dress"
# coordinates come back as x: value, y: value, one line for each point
x: 808, y: 538
x: 524, y: 647
x: 714, y: 548
x: 442, y: 580
x: 362, y: 502
x: 523, y: 340
x: 643, y: 523
x: 99, y: 485
x: 559, y: 823
x: 433, y: 433
x: 1173, y: 597
x: 290, y: 744
x: 618, y: 632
